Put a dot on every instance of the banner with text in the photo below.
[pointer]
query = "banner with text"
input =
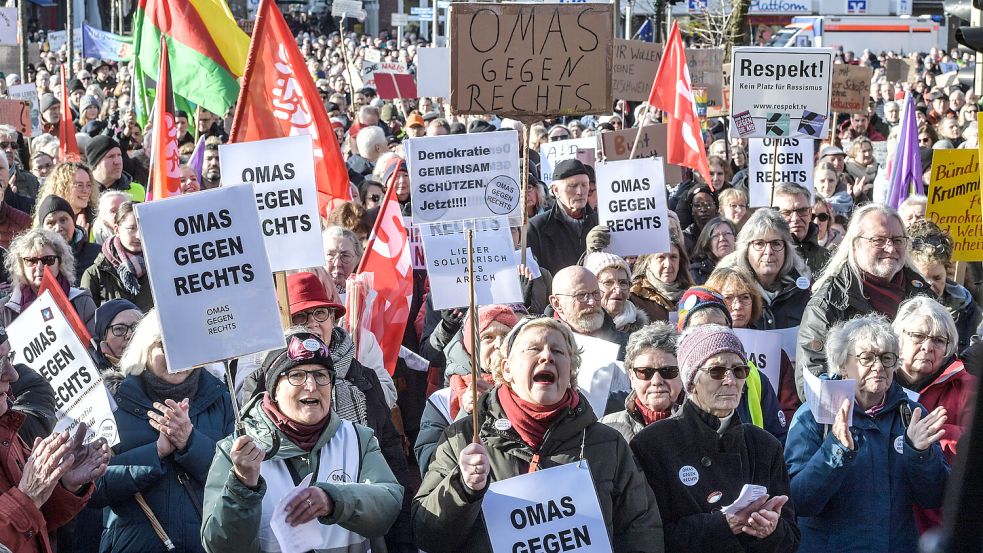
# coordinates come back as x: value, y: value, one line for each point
x: 851, y: 88
x: 631, y: 201
x: 29, y: 92
x: 635, y: 65
x: 954, y: 200
x: 793, y: 162
x: 764, y: 349
x: 616, y: 146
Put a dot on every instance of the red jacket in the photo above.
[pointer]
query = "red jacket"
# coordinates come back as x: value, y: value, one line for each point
x: 24, y: 528
x: 12, y: 223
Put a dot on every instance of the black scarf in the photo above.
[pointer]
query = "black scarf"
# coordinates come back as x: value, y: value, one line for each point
x: 158, y: 389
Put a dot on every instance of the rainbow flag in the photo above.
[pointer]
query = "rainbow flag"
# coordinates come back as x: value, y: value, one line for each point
x: 207, y: 52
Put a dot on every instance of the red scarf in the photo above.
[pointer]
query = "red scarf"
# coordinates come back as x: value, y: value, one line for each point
x: 648, y: 415
x: 304, y: 435
x: 532, y: 420
x: 459, y: 385
x: 884, y: 295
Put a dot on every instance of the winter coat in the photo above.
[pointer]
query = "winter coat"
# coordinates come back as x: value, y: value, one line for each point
x: 12, y: 223
x: 628, y: 422
x: 125, y: 183
x: 772, y: 417
x: 85, y: 253
x: 167, y: 484
x: 436, y: 419
x: 784, y: 308
x: 651, y: 301
x: 812, y: 253
x: 861, y: 500
x: 839, y: 299
x: 555, y: 242
x: 366, y: 507
x: 694, y: 471
x: 700, y: 269
x: 104, y: 283
x: 80, y: 298
x: 964, y: 310
x: 447, y: 514
x: 23, y: 527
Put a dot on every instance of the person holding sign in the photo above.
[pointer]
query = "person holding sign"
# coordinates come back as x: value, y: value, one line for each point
x: 855, y: 485
x: 536, y: 419
x: 697, y: 461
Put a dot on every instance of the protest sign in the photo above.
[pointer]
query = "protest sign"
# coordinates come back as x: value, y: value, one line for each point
x: 43, y: 339
x: 616, y: 146
x: 880, y: 152
x: 8, y: 26
x: 551, y: 153
x: 370, y: 68
x: 825, y: 397
x: 634, y: 68
x: 469, y: 176
x: 790, y: 340
x: 496, y: 276
x: 518, y: 60
x: 210, y: 276
x: 631, y: 201
x: 599, y: 374
x: 781, y: 92
x: 793, y: 162
x: 900, y: 70
x: 954, y: 201
x: 16, y: 113
x: 29, y: 92
x: 281, y: 171
x: 433, y: 71
x: 764, y: 349
x: 58, y: 39
x: 554, y: 509
x: 851, y: 88
x: 390, y: 86
x: 704, y: 72
x: 417, y: 254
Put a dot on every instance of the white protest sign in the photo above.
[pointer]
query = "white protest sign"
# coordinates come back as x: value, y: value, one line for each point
x: 210, y: 276
x: 346, y: 8
x: 8, y: 26
x: 58, y: 39
x: 469, y: 176
x: 600, y: 373
x: 764, y: 349
x: 790, y: 339
x: 793, y: 163
x: 417, y: 254
x: 552, y: 153
x: 370, y: 68
x: 281, y: 171
x: 825, y: 397
x: 399, y: 19
x: 43, y: 339
x: 433, y: 72
x: 780, y: 92
x: 29, y: 92
x: 554, y: 509
x: 373, y: 55
x: 631, y: 201
x: 496, y: 277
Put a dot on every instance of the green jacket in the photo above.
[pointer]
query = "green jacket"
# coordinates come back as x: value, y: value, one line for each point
x: 233, y: 511
x: 447, y: 515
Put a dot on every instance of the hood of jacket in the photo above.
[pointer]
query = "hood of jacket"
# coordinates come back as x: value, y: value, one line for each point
x: 956, y: 297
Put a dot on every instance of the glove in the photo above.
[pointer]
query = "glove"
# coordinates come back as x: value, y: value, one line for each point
x: 598, y: 238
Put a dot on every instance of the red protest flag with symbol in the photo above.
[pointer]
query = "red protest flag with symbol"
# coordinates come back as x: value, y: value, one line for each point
x: 279, y: 99
x: 50, y: 282
x: 672, y: 92
x: 165, y: 162
x: 68, y: 148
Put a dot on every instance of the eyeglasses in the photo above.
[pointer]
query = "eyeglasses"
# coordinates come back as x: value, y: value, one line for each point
x: 82, y: 185
x: 298, y: 377
x: 880, y: 241
x: 48, y: 260
x: 867, y: 359
x: 704, y: 207
x: 344, y: 257
x: 646, y: 373
x: 320, y: 315
x: 740, y: 298
x: 776, y: 245
x: 919, y: 338
x: 740, y: 372
x: 5, y: 145
x: 9, y: 358
x: 120, y: 330
x: 821, y: 217
x: 722, y: 235
x: 610, y: 283
x: 584, y: 297
x: 801, y: 213
x: 374, y: 197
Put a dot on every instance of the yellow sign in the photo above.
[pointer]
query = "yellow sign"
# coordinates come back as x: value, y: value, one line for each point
x: 954, y: 200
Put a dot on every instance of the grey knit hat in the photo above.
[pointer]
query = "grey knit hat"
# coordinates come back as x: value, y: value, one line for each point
x: 702, y: 342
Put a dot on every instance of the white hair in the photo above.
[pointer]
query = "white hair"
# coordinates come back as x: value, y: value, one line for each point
x: 369, y: 138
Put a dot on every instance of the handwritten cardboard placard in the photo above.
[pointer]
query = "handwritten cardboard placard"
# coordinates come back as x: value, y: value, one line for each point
x: 900, y: 70
x: 704, y: 72
x: 635, y: 65
x: 540, y: 60
x: 616, y: 146
x: 851, y: 88
x: 16, y: 113
x: 954, y: 201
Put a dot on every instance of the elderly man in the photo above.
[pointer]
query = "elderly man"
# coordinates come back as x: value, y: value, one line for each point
x: 558, y: 237
x: 105, y: 157
x: 866, y: 274
x: 794, y: 203
x: 24, y: 183
x: 371, y: 144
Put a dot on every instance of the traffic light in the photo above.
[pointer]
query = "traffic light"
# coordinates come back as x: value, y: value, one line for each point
x: 970, y: 36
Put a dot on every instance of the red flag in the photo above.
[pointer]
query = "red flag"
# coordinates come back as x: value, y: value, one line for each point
x: 279, y: 99
x: 68, y: 148
x: 165, y: 162
x: 49, y: 282
x: 672, y: 92
x: 386, y: 271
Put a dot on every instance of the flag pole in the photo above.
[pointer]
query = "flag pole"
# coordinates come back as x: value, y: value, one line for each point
x: 774, y: 169
x: 247, y: 73
x: 348, y: 67
x: 638, y: 135
x: 523, y: 180
x: 473, y: 336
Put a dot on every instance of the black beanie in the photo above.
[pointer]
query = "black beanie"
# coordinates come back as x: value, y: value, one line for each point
x: 51, y: 204
x: 98, y: 148
x: 107, y: 312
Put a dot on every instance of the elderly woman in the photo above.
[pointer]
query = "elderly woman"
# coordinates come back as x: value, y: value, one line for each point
x: 717, y: 239
x: 104, y: 227
x: 29, y: 254
x: 698, y: 460
x: 549, y: 423
x: 54, y: 213
x: 73, y: 181
x: 660, y: 280
x: 120, y: 270
x: 854, y: 485
x: 765, y: 249
x: 860, y: 163
x: 345, y: 486
x: 614, y: 281
x: 733, y: 205
x: 169, y: 423
x: 656, y: 389
x: 342, y: 252
x: 116, y: 321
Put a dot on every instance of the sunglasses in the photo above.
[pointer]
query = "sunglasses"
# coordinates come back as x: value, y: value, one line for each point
x: 646, y: 373
x: 48, y: 260
x: 4, y: 145
x: 559, y: 137
x: 718, y: 373
x: 821, y: 217
x: 375, y: 197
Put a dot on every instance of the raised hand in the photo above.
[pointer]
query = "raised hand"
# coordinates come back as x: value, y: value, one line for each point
x: 49, y: 461
x: 247, y: 456
x: 171, y: 419
x: 923, y: 432
x: 90, y: 460
x: 841, y: 430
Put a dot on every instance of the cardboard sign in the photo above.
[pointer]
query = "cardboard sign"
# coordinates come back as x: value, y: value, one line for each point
x: 210, y: 276
x: 471, y: 176
x: 496, y: 277
x: 616, y: 146
x: 793, y: 163
x: 954, y: 201
x: 851, y: 88
x: 29, y: 92
x: 43, y: 339
x: 704, y: 72
x: 764, y: 349
x: 8, y: 26
x: 16, y: 113
x: 417, y: 254
x: 781, y: 92
x: 635, y: 65
x: 519, y: 512
x: 395, y: 85
x: 519, y: 60
x: 433, y: 67
x: 631, y: 201
x: 281, y: 171
x: 900, y: 70
x: 551, y: 153
x: 346, y: 8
